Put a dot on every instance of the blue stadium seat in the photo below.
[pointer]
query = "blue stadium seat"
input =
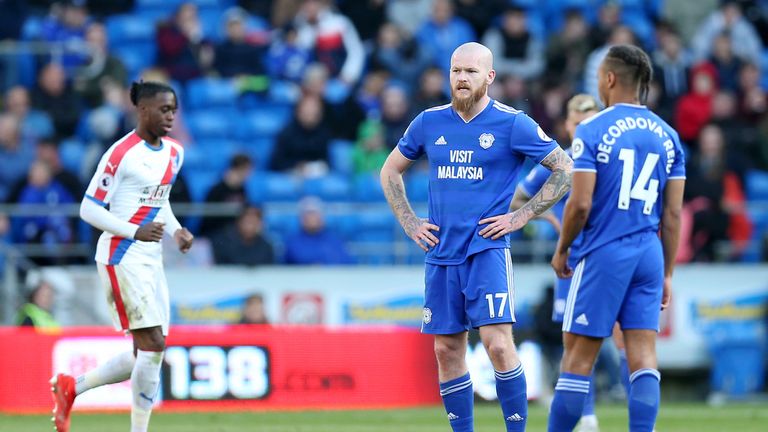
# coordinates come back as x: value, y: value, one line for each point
x: 284, y: 92
x: 211, y: 124
x: 346, y: 224
x: 260, y: 150
x: 764, y: 68
x: 281, y: 224
x: 331, y: 187
x: 756, y: 185
x: 205, y: 93
x: 72, y: 152
x: 32, y: 28
x: 266, y: 187
x: 265, y: 121
x: 340, y: 155
x: 215, y: 153
x: 129, y: 28
x: 367, y: 188
x: 199, y: 182
x: 136, y: 56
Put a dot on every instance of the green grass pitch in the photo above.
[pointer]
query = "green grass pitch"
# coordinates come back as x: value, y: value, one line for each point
x: 673, y: 418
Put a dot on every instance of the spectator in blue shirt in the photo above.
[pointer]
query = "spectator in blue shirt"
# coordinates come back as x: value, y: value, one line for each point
x: 16, y: 154
x: 67, y: 28
x: 314, y: 243
x: 443, y: 33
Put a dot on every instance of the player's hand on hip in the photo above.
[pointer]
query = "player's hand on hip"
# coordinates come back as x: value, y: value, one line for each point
x: 666, y: 296
x: 560, y: 264
x: 501, y: 225
x: 420, y: 231
x: 151, y: 232
x: 184, y: 239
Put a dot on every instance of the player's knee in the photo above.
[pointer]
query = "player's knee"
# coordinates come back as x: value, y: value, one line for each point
x: 448, y: 353
x: 499, y: 350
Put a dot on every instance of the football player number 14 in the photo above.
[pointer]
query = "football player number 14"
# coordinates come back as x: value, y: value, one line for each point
x: 644, y: 189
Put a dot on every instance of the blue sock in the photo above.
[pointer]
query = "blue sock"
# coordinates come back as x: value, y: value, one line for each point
x: 624, y: 370
x: 458, y: 399
x: 589, y: 402
x: 570, y: 392
x: 512, y: 392
x: 644, y: 395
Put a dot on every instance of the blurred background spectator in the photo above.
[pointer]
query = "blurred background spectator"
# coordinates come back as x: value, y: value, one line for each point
x: 243, y: 243
x: 302, y: 91
x: 36, y: 312
x: 314, y: 243
x: 253, y: 310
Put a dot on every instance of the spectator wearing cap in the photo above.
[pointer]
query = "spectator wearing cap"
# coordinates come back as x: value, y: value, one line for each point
x: 230, y: 189
x: 314, y: 243
x: 244, y: 243
x: 239, y: 54
x: 694, y: 109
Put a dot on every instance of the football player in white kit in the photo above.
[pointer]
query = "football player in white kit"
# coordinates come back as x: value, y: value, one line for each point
x: 134, y: 179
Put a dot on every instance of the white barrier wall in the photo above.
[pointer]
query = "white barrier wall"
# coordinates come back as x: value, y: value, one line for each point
x: 703, y: 297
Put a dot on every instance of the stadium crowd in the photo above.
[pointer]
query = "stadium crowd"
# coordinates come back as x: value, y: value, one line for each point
x: 286, y: 99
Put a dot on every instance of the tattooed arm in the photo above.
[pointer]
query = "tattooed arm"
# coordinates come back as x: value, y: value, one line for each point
x: 417, y: 229
x: 556, y: 186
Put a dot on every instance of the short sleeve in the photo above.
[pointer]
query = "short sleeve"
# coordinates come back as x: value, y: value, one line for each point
x: 678, y: 165
x: 583, y: 151
x: 535, y: 180
x: 411, y: 145
x: 528, y: 138
x: 105, y: 181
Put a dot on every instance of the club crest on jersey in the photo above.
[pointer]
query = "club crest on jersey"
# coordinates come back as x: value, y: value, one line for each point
x: 427, y: 315
x: 542, y: 135
x: 106, y: 180
x: 486, y: 140
x: 577, y: 148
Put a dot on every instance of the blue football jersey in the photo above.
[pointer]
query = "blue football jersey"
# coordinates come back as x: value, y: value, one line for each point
x: 473, y: 168
x: 633, y: 153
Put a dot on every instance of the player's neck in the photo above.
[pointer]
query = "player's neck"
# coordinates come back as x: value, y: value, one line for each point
x: 476, y: 109
x: 623, y: 98
x: 148, y: 137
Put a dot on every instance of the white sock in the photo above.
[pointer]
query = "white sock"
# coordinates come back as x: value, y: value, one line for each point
x: 145, y: 379
x: 117, y: 369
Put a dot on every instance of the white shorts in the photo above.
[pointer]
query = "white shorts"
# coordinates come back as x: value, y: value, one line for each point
x: 137, y: 295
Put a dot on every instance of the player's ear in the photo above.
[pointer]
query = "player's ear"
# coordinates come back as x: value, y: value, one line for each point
x: 610, y: 78
x: 491, y: 77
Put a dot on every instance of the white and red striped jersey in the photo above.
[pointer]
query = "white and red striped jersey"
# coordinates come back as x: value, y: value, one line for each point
x: 135, y: 180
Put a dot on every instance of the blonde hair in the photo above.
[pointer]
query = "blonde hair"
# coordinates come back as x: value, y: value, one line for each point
x: 582, y: 103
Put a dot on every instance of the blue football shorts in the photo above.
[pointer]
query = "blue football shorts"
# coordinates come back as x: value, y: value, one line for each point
x: 473, y: 294
x: 621, y: 281
x: 561, y: 295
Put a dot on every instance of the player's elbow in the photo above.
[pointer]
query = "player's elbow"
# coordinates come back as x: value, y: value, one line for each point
x: 581, y: 208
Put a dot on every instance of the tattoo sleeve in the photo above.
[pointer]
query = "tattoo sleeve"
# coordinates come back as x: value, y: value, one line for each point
x: 556, y: 186
x: 394, y: 190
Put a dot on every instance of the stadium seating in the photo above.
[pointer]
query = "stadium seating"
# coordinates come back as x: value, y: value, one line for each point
x: 211, y: 124
x: 367, y: 188
x: 331, y: 187
x: 269, y: 186
x: 340, y: 156
x: 205, y: 93
x: 265, y: 121
x: 757, y: 185
x: 128, y: 28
